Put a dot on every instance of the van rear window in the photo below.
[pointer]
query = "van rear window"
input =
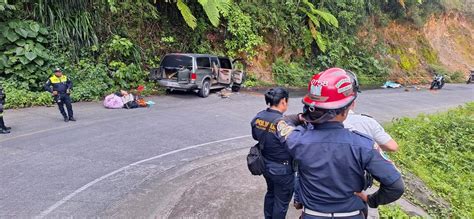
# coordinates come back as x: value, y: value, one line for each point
x: 175, y: 61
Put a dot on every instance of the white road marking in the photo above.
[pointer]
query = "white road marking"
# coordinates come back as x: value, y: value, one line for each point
x: 86, y: 186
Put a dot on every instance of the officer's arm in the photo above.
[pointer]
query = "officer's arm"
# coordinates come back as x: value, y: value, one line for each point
x: 386, y: 194
x: 383, y: 170
x: 69, y: 83
x: 47, y: 86
x: 252, y: 125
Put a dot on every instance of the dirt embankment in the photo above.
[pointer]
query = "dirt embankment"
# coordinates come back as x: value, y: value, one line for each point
x: 452, y: 37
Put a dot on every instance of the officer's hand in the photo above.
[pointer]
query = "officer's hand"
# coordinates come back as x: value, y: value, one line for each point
x: 301, y: 118
x: 298, y: 205
x: 362, y: 196
x: 55, y: 93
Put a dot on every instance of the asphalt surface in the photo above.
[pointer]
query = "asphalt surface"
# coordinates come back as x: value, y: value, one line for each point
x: 183, y: 157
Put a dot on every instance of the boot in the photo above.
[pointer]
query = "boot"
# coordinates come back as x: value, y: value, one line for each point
x: 4, y: 131
x: 2, y: 125
x: 72, y: 119
x: 66, y: 119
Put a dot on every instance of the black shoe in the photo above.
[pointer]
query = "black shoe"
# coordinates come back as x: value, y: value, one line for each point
x: 72, y: 119
x: 8, y: 128
x: 4, y: 131
x: 66, y: 119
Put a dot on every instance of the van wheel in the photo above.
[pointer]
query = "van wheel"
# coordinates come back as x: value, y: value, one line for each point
x: 205, y: 89
x: 235, y: 88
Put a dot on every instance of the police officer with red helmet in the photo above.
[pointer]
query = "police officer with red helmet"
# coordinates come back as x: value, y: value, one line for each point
x: 332, y: 160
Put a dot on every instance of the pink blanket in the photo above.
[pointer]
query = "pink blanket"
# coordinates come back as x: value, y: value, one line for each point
x: 113, y: 101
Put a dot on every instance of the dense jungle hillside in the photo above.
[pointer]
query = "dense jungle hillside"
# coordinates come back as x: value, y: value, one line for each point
x: 104, y: 45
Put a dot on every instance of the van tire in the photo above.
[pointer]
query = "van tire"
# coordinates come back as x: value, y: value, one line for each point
x: 205, y: 89
x: 235, y: 88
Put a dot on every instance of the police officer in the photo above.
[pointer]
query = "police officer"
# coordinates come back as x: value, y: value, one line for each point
x: 332, y: 160
x: 279, y: 174
x: 61, y: 89
x: 3, y: 128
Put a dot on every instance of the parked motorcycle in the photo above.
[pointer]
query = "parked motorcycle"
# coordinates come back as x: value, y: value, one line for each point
x: 438, y: 82
x: 471, y: 77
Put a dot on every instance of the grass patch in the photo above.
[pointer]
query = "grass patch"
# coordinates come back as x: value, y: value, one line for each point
x: 439, y: 149
x: 393, y: 211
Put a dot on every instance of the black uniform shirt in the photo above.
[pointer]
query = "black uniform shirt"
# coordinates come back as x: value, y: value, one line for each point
x: 273, y: 150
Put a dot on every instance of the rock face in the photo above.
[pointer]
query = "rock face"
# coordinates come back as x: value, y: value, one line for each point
x: 452, y: 37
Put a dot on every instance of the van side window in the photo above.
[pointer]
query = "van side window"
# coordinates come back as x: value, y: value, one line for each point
x: 225, y: 63
x: 203, y: 62
x: 214, y: 61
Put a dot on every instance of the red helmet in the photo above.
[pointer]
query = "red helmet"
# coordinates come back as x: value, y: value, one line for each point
x: 330, y: 89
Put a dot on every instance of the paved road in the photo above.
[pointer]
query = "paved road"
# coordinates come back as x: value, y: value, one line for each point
x: 184, y: 157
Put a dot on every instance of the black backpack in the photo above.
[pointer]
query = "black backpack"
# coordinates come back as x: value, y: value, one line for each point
x: 255, y: 160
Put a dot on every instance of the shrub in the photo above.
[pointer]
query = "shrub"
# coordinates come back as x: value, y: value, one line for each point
x: 18, y: 98
x: 291, y: 74
x: 91, y: 81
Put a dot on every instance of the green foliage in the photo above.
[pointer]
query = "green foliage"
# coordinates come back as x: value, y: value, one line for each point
x: 127, y: 76
x: 393, y: 211
x: 120, y: 46
x: 252, y: 81
x: 438, y: 149
x: 187, y: 14
x: 213, y: 9
x: 451, y: 77
x: 291, y: 74
x: 91, y: 81
x: 18, y: 98
x: 73, y: 23
x: 24, y: 57
x: 314, y: 23
x: 244, y: 39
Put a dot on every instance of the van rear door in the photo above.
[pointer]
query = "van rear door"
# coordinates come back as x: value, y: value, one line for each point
x: 177, y: 67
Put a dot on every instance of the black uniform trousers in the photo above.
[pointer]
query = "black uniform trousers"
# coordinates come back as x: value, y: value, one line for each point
x: 64, y: 99
x: 280, y: 185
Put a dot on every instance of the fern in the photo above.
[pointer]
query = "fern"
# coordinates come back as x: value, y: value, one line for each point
x: 210, y: 7
x: 327, y: 17
x: 187, y: 15
x: 315, y: 15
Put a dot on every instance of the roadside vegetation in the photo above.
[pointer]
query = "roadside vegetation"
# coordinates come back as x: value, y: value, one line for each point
x: 438, y: 149
x: 108, y: 45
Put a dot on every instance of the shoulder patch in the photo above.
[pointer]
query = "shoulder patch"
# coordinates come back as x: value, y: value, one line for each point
x: 384, y: 155
x: 284, y: 129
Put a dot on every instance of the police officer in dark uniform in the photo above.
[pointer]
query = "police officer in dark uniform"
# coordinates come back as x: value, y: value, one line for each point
x: 332, y: 160
x: 3, y: 129
x: 279, y: 174
x: 61, y: 89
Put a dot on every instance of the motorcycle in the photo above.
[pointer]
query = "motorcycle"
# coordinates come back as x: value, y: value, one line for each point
x: 471, y: 77
x: 438, y: 81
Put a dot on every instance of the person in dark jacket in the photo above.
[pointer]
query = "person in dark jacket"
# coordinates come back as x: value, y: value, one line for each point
x: 3, y: 129
x: 60, y: 87
x: 279, y: 173
x: 332, y: 161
